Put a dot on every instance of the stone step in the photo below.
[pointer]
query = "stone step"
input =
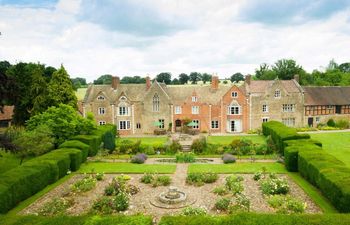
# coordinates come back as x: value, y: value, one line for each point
x: 186, y: 148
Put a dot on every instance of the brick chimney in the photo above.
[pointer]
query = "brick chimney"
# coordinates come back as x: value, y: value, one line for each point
x: 148, y: 83
x: 214, y: 82
x: 115, y: 82
x: 248, y: 78
x: 296, y: 78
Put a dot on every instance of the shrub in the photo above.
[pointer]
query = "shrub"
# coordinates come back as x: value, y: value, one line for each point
x: 84, y: 185
x: 147, y: 178
x: 61, y: 159
x: 274, y: 186
x: 131, y: 189
x: 257, y: 176
x: 121, y: 201
x: 342, y: 124
x: 84, y: 148
x: 185, y: 158
x: 75, y: 157
x: 220, y: 190
x: 57, y: 206
x: 103, y: 205
x: 139, y: 158
x: 109, y: 190
x: 93, y: 141
x: 199, y: 145
x: 228, y: 158
x: 107, y: 134
x: 149, y: 150
x: 286, y: 204
x: 222, y: 204
x: 192, y: 211
x: 199, y: 179
x: 331, y: 123
x: 241, y: 204
x: 99, y: 176
x: 234, y: 184
x: 161, y: 181
x: 174, y: 147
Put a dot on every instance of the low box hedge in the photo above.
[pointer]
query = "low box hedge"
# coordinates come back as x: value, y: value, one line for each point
x: 93, y: 141
x: 62, y: 160
x: 77, y: 145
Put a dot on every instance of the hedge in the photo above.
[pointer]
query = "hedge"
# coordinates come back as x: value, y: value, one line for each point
x: 107, y: 133
x: 77, y: 145
x: 62, y: 160
x: 75, y: 157
x: 280, y: 133
x: 329, y: 174
x: 259, y: 219
x: 93, y: 141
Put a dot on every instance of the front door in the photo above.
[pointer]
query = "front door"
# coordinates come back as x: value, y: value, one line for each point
x: 233, y: 126
x: 310, y: 121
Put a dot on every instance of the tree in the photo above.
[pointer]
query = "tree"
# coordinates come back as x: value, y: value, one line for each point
x: 183, y: 78
x: 206, y: 77
x: 60, y: 89
x: 236, y: 77
x: 164, y: 77
x: 264, y: 72
x: 48, y: 71
x: 63, y: 121
x: 104, y: 79
x: 133, y: 80
x: 78, y: 82
x: 38, y: 91
x: 195, y: 77
x: 344, y: 67
x: 175, y: 81
x: 285, y: 69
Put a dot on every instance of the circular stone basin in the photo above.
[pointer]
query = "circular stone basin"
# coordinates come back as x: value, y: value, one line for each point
x: 172, y: 199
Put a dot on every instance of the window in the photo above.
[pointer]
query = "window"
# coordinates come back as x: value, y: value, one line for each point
x: 234, y: 94
x: 194, y: 98
x: 214, y: 124
x: 277, y: 93
x: 102, y: 123
x: 288, y: 107
x: 265, y: 108
x: 233, y: 110
x: 100, y: 97
x: 329, y: 107
x: 265, y: 119
x: 155, y: 103
x: 162, y: 123
x: 123, y: 111
x: 318, y: 119
x: 178, y: 110
x: 195, y: 109
x: 101, y: 110
x: 124, y: 125
x: 138, y: 125
x: 288, y: 122
x: 196, y: 126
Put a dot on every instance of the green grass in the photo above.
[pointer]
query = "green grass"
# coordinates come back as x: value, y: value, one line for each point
x: 125, y: 156
x: 99, y: 167
x: 147, y: 140
x: 8, y: 161
x: 313, y: 193
x: 237, y: 168
x: 336, y: 144
x: 225, y: 140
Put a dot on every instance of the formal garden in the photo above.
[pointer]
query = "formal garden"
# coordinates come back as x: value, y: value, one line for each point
x: 92, y: 176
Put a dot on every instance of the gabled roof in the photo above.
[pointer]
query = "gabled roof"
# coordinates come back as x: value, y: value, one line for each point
x: 327, y: 95
x: 7, y: 112
x: 261, y: 86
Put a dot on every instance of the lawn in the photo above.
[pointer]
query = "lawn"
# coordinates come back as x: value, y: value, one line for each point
x: 147, y: 140
x: 8, y: 161
x: 99, y: 167
x: 225, y: 140
x: 336, y: 144
x: 246, y: 167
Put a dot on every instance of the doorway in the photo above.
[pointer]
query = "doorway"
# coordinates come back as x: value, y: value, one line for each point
x: 310, y: 121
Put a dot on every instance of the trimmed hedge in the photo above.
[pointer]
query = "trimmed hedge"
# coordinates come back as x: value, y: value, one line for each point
x: 93, y: 141
x: 75, y: 156
x: 107, y: 133
x: 77, y: 145
x: 329, y: 174
x: 62, y: 160
x: 259, y: 219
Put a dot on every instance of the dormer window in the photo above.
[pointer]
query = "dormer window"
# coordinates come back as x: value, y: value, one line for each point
x: 234, y: 94
x: 194, y: 99
x: 101, y: 98
x: 277, y: 93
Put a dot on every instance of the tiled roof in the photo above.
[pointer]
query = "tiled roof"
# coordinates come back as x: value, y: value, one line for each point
x: 7, y: 113
x: 260, y: 86
x: 327, y: 95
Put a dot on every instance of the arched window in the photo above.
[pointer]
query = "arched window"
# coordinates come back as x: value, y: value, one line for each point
x: 155, y: 103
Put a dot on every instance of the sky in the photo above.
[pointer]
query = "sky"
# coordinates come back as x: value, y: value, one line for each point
x: 138, y: 37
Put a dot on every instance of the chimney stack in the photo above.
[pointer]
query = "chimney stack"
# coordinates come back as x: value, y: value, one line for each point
x: 115, y: 82
x: 148, y: 83
x: 248, y: 78
x: 296, y: 78
x: 214, y: 82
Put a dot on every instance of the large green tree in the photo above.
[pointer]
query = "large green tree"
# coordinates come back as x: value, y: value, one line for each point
x: 183, y: 78
x: 236, y: 77
x: 195, y: 77
x: 38, y: 91
x: 78, y: 82
x: 285, y: 69
x: 60, y: 89
x: 133, y: 80
x: 206, y: 77
x: 164, y: 77
x: 265, y: 73
x: 104, y: 79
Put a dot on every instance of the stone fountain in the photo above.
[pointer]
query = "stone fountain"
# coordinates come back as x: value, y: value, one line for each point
x: 173, y: 198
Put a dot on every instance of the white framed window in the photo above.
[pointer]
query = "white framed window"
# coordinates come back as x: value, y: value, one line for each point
x: 196, y: 126
x: 162, y: 123
x: 329, y: 107
x: 155, y: 103
x: 102, y: 123
x: 124, y: 125
x: 214, y: 124
x: 194, y: 99
x: 234, y: 110
x: 195, y: 109
x: 318, y: 119
x: 178, y: 109
x: 101, y: 97
x: 265, y: 108
x: 288, y: 107
x: 234, y: 94
x: 101, y: 110
x: 138, y: 125
x: 123, y: 111
x: 277, y: 93
x: 265, y: 119
x: 288, y: 122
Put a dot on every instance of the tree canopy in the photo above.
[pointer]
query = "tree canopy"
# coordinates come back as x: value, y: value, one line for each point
x: 104, y: 79
x: 164, y: 77
x: 236, y: 77
x: 195, y: 77
x: 183, y: 78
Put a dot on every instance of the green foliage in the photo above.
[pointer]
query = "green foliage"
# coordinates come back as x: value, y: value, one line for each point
x: 107, y: 133
x: 199, y: 145
x: 206, y: 77
x: 192, y: 211
x: 286, y: 204
x: 234, y: 184
x: 57, y: 206
x: 164, y: 77
x: 104, y: 79
x: 163, y: 180
x: 241, y: 204
x: 220, y: 190
x: 63, y: 121
x: 199, y: 179
x: 257, y: 176
x: 103, y: 205
x: 174, y: 147
x: 195, y: 77
x: 274, y: 186
x: 222, y: 204
x: 342, y: 124
x: 147, y: 178
x: 183, y: 78
x: 93, y: 141
x: 133, y: 80
x: 331, y: 123
x: 75, y: 157
x: 236, y: 77
x: 185, y: 157
x: 121, y: 201
x: 84, y: 148
x: 84, y: 185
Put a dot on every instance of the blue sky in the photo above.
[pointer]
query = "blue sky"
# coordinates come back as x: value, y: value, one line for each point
x: 136, y: 37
